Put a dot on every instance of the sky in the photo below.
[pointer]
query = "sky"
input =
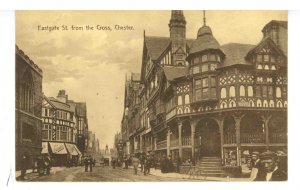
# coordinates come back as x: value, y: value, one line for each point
x: 91, y: 64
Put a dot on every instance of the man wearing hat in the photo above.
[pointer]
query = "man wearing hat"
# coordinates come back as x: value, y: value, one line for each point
x: 255, y: 164
x: 270, y: 170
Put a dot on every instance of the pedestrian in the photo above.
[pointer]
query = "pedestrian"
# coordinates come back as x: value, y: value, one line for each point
x: 256, y: 169
x: 35, y: 167
x: 270, y: 169
x: 94, y: 162
x: 142, y: 161
x: 86, y: 163
x: 113, y: 163
x: 47, y: 161
x: 135, y: 163
x: 41, y: 166
x: 91, y: 164
x: 147, y: 165
x: 178, y: 163
x: 24, y: 164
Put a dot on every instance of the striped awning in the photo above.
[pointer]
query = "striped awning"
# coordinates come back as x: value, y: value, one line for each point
x: 71, y: 149
x: 58, y: 148
x: 78, y: 151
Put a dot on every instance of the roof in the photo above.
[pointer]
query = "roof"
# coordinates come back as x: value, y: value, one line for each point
x: 235, y: 53
x: 281, y: 23
x: 204, y: 42
x: 72, y: 105
x: 156, y: 45
x: 28, y: 60
x: 81, y: 109
x: 59, y: 105
x: 174, y: 72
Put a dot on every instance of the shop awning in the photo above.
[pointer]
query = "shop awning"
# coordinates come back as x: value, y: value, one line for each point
x: 71, y: 149
x: 58, y: 148
x: 45, y: 149
x: 78, y: 151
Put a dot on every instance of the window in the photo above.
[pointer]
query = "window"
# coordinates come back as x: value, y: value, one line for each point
x: 213, y: 67
x: 257, y: 91
x: 258, y: 103
x: 272, y: 59
x: 266, y: 58
x: 273, y: 67
x: 196, y: 60
x: 213, y: 92
x: 242, y: 90
x: 46, y: 132
x: 284, y: 92
x: 267, y: 67
x: 63, y: 135
x: 278, y: 92
x: 212, y: 57
x: 205, y: 82
x: 212, y: 81
x: 259, y: 66
x: 198, y: 94
x: 264, y: 91
x: 196, y: 69
x: 265, y: 104
x: 179, y: 100
x: 198, y: 83
x: 28, y: 131
x: 271, y: 103
x: 259, y: 58
x: 259, y: 79
x: 232, y: 91
x: 204, y: 58
x: 187, y: 99
x: 270, y: 91
x: 223, y: 93
x: 218, y: 58
x: 205, y: 93
x: 204, y: 67
x: 46, y: 112
x: 26, y: 92
x: 250, y: 91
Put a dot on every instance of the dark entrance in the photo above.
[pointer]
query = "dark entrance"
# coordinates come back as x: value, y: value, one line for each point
x: 208, y: 139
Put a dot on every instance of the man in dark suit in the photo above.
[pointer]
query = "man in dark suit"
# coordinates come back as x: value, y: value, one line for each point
x: 270, y: 170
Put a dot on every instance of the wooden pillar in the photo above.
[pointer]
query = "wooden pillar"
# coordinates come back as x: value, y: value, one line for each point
x: 266, y: 120
x: 193, y: 127
x: 180, y: 139
x: 168, y: 142
x: 238, y: 139
x: 221, y: 124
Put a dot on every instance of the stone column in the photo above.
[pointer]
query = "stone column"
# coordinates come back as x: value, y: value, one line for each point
x: 238, y: 139
x: 180, y: 139
x: 168, y: 142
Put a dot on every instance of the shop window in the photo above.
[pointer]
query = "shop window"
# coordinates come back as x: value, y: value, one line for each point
x: 232, y: 91
x: 223, y: 93
x: 187, y: 99
x: 179, y: 100
x: 250, y: 91
x: 242, y: 90
x: 204, y: 58
x: 278, y: 92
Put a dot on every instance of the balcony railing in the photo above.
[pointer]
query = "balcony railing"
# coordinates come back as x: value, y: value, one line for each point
x: 253, y: 138
x: 229, y: 138
x: 174, y: 142
x: 278, y: 138
x: 161, y: 144
x: 186, y: 141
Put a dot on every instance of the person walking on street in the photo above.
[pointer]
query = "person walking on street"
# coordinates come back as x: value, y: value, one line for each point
x: 147, y: 165
x: 47, y: 164
x: 86, y: 163
x: 91, y: 164
x: 23, y: 163
x: 135, y: 163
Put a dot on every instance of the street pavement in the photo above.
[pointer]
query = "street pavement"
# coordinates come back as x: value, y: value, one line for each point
x: 99, y: 173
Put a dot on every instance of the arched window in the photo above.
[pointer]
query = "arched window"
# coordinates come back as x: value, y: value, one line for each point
x: 232, y: 91
x: 26, y: 92
x: 179, y: 100
x: 223, y: 93
x: 232, y: 104
x: 242, y: 90
x: 258, y: 103
x: 273, y: 67
x: 278, y: 92
x: 187, y: 99
x: 267, y: 67
x: 285, y: 104
x: 187, y: 110
x: 251, y: 103
x: 259, y: 66
x: 271, y: 103
x: 279, y: 104
x: 223, y: 105
x: 250, y: 91
x: 179, y: 111
x: 265, y: 104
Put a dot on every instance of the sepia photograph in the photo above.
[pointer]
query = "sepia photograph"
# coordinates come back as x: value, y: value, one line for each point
x: 151, y: 96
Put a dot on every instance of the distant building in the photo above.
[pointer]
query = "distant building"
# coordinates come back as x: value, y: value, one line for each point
x: 28, y: 108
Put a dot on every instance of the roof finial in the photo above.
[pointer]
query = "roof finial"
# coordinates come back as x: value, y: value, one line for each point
x: 204, y: 19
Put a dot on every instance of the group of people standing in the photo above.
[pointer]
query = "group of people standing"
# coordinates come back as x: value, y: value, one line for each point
x: 89, y: 162
x: 268, y: 166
